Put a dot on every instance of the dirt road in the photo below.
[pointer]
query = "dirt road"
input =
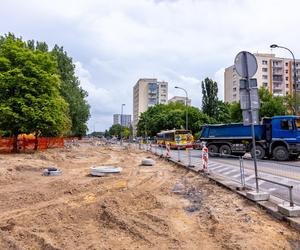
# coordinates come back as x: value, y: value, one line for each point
x: 158, y: 207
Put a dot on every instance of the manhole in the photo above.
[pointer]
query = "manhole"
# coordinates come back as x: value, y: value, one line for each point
x: 148, y: 162
x: 52, y: 172
x: 104, y: 170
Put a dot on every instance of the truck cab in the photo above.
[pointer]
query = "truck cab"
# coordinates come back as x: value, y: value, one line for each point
x: 283, y: 134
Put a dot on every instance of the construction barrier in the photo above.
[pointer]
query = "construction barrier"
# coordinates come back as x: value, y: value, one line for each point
x: 168, y: 154
x: 24, y: 144
x: 204, y: 157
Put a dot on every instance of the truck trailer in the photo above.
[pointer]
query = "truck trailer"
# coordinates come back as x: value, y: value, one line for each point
x: 277, y: 137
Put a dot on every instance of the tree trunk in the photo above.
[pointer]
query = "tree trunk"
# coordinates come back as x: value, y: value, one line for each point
x: 15, y: 144
x: 36, y: 143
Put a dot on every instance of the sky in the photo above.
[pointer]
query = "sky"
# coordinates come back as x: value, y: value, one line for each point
x: 113, y: 43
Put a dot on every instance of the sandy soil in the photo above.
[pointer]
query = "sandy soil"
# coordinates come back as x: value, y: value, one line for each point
x: 158, y: 207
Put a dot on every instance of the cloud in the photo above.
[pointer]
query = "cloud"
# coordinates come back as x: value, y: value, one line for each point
x: 114, y: 43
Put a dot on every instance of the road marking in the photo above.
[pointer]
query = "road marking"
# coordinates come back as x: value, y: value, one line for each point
x: 218, y: 168
x: 231, y: 171
x: 237, y: 175
x: 260, y: 182
x: 224, y: 169
x: 249, y: 177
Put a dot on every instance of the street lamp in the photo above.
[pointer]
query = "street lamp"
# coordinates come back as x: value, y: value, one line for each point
x: 186, y: 105
x: 121, y: 132
x: 273, y: 46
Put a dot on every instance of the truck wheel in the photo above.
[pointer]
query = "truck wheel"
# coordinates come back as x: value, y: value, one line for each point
x: 281, y: 153
x: 225, y: 150
x: 260, y: 152
x: 212, y: 150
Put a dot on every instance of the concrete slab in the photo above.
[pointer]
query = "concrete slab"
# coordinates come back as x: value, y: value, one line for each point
x: 289, y: 211
x: 260, y: 196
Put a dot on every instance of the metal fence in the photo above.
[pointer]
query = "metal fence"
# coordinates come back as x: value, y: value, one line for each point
x: 277, y: 178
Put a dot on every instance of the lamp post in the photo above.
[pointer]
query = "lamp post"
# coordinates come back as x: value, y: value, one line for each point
x: 273, y: 46
x: 121, y: 118
x: 186, y: 106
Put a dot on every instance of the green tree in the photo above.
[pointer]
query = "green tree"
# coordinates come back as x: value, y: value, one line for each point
x: 271, y: 105
x: 29, y: 91
x: 116, y: 129
x: 209, y: 97
x: 71, y: 91
x: 170, y: 116
x: 235, y: 112
x: 223, y: 112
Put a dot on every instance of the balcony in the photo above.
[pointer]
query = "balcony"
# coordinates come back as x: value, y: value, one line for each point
x: 277, y: 78
x: 277, y: 87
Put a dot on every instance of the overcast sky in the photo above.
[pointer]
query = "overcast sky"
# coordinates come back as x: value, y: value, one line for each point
x: 115, y: 42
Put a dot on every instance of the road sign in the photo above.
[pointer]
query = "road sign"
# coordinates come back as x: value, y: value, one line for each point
x: 245, y: 84
x: 247, y: 117
x: 245, y: 64
x: 254, y: 99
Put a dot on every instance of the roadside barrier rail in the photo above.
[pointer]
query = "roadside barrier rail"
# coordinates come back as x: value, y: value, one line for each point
x: 283, y: 185
x: 240, y: 169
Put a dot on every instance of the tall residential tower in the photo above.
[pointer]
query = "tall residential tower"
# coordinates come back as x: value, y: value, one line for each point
x: 274, y: 73
x: 147, y: 92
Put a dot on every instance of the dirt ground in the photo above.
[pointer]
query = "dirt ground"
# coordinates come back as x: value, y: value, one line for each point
x: 154, y: 207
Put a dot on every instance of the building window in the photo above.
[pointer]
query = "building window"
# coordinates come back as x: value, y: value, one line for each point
x: 286, y: 64
x: 264, y: 69
x: 264, y: 62
x: 265, y: 77
x: 265, y: 84
x: 286, y: 85
x: 286, y: 78
x: 286, y: 71
x: 234, y: 89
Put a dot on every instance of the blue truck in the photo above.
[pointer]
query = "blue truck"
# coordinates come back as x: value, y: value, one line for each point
x: 277, y: 137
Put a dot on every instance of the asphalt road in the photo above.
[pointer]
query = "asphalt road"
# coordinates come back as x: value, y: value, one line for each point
x: 282, y: 172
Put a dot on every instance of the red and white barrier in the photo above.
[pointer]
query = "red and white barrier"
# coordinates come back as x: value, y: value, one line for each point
x: 168, y: 154
x: 204, y: 159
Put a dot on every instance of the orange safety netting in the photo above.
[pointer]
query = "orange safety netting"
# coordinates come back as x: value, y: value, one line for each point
x: 24, y: 144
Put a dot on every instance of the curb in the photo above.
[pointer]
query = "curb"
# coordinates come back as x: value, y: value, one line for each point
x: 269, y: 206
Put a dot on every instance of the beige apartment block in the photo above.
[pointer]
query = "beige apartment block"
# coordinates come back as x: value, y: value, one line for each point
x: 273, y: 73
x: 147, y: 92
x: 181, y: 99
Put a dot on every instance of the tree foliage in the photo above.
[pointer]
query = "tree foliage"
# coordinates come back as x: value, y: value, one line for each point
x: 71, y: 91
x: 170, y: 116
x: 272, y: 105
x: 30, y: 101
x: 116, y: 129
x: 209, y: 97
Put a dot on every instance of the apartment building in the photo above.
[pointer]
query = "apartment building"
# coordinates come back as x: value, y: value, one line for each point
x: 147, y: 92
x: 274, y: 73
x: 124, y: 120
x: 180, y: 99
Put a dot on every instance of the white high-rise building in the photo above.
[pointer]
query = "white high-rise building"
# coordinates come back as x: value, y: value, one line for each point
x: 274, y: 73
x: 147, y: 92
x: 124, y: 120
x: 181, y: 99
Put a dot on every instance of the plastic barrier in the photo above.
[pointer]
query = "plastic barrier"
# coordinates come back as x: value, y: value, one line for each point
x: 168, y: 154
x: 24, y: 144
x: 204, y: 157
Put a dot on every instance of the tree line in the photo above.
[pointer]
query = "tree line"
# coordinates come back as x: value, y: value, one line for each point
x: 213, y: 111
x: 39, y: 92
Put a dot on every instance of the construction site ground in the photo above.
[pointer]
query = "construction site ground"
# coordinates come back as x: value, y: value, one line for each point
x: 143, y: 207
